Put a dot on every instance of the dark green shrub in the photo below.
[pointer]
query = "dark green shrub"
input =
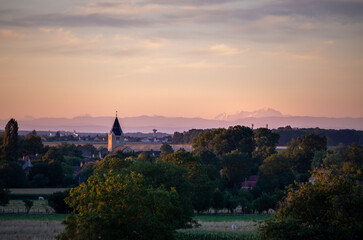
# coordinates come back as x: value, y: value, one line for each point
x: 56, y: 201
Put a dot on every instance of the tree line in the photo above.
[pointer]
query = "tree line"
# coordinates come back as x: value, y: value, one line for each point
x: 51, y: 166
x: 334, y: 137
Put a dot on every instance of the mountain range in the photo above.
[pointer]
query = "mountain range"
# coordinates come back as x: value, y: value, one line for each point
x: 259, y: 118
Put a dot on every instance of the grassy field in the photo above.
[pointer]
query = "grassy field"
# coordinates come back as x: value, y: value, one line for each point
x: 15, y: 206
x: 240, y: 226
x: 229, y: 218
x: 39, y: 191
x: 39, y: 217
x: 192, y: 234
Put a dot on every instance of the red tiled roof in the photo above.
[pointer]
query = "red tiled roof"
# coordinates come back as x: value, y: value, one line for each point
x: 249, y: 184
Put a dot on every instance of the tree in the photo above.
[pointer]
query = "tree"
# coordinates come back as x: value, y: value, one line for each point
x: 221, y: 141
x: 144, y: 156
x: 57, y: 201
x: 4, y: 195
x: 264, y: 202
x: 230, y: 201
x: 198, y: 177
x: 245, y: 200
x: 87, y: 171
x: 54, y: 154
x: 166, y: 148
x: 301, y: 151
x: 119, y: 206
x: 28, y: 204
x: 45, y: 174
x: 33, y: 144
x: 330, y: 208
x: 114, y: 162
x: 10, y: 142
x: 275, y: 173
x: 208, y: 158
x: 171, y: 176
x: 182, y: 158
x: 55, y: 174
x: 12, y: 174
x: 217, y: 200
x: 202, y: 187
x: 266, y: 141
x: 236, y: 167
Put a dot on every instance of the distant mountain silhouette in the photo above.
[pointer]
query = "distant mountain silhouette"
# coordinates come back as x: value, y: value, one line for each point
x: 145, y: 124
x: 264, y: 112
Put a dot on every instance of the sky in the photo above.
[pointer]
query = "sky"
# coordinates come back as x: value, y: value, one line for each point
x: 189, y: 58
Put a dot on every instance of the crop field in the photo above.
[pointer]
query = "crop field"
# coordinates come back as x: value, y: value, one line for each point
x: 30, y: 229
x: 47, y: 226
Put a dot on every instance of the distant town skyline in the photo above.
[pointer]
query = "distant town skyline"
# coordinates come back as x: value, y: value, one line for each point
x: 180, y: 58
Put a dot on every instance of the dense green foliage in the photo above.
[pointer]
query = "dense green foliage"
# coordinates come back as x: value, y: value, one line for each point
x: 186, y: 137
x: 11, y: 174
x: 57, y: 202
x: 334, y: 137
x: 172, y: 177
x: 275, y: 173
x: 4, y: 195
x: 236, y: 166
x: 117, y: 206
x: 330, y: 208
x: 300, y: 152
x: 221, y: 141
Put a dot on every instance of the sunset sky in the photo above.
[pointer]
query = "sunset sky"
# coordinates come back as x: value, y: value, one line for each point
x: 190, y: 58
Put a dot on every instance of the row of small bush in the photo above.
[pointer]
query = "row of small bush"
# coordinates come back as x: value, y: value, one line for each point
x: 207, y: 235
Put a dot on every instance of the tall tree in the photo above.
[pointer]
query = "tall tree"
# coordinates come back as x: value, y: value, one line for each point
x: 236, y: 167
x: 266, y: 141
x: 10, y: 142
x: 301, y: 151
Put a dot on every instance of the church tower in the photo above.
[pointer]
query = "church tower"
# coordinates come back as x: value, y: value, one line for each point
x: 116, y: 136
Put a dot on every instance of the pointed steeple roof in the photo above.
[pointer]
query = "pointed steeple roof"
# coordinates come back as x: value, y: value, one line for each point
x: 116, y: 128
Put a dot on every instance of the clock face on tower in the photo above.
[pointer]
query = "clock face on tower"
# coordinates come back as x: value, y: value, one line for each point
x: 117, y: 141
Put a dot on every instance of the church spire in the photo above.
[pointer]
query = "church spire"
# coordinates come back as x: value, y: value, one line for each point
x: 116, y: 128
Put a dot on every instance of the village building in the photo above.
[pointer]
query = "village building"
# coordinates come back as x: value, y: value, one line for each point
x: 250, y: 183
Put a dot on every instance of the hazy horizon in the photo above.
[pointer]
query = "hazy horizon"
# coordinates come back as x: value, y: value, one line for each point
x: 180, y: 58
